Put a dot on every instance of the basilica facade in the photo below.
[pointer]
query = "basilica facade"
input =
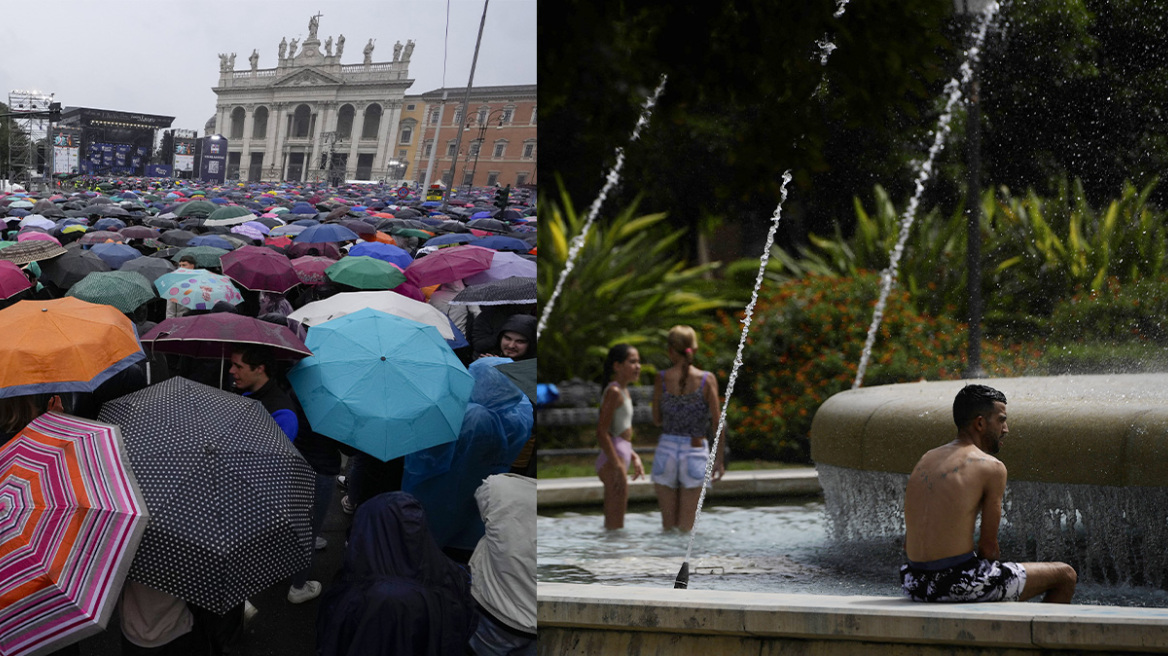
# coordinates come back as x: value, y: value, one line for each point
x: 312, y: 117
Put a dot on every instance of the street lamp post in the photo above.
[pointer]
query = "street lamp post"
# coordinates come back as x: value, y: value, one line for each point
x: 969, y: 10
x: 482, y: 136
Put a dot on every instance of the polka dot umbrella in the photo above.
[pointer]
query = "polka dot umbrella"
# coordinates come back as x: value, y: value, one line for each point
x: 230, y: 498
x: 71, y: 518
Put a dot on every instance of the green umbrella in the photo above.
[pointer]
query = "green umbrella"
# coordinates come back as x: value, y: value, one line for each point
x: 206, y: 257
x: 230, y: 215
x: 196, y: 208
x: 125, y: 290
x: 410, y: 232
x: 365, y: 272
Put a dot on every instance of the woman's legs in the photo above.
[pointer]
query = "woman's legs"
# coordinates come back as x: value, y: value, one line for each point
x: 668, y: 498
x: 687, y: 507
x: 616, y: 498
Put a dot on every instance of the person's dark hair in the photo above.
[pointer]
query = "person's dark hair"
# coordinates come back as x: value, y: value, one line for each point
x: 254, y: 355
x: 189, y: 258
x: 974, y: 401
x: 17, y: 411
x: 618, y: 353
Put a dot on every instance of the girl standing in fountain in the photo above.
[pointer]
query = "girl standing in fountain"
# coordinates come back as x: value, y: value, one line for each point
x: 685, y: 405
x: 614, y: 432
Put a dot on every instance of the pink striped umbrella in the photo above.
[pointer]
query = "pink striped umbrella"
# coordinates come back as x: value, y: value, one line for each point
x: 71, y: 518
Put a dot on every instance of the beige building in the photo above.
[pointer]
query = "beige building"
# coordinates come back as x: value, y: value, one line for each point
x: 312, y: 117
x: 498, y: 137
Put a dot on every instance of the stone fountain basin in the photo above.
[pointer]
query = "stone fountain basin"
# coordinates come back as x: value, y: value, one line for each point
x: 1094, y: 430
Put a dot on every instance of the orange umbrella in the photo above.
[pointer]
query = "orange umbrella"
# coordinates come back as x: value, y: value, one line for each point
x: 379, y: 236
x: 63, y: 345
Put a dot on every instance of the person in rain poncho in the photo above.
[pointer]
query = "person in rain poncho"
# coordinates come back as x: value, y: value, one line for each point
x: 396, y: 592
x: 444, y: 478
x: 503, y: 565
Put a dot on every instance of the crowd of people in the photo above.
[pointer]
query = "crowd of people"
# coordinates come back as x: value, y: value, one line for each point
x: 440, y: 556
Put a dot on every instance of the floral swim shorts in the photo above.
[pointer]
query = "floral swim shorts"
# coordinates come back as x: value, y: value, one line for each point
x: 963, y: 578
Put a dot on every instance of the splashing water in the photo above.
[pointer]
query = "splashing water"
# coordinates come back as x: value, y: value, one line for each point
x: 924, y: 172
x: 826, y: 47
x: 612, y: 179
x: 840, y: 7
x: 762, y: 264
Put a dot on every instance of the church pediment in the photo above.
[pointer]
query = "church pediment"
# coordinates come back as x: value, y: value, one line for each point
x: 308, y: 78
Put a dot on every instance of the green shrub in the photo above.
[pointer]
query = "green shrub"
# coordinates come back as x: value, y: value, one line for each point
x: 805, y: 344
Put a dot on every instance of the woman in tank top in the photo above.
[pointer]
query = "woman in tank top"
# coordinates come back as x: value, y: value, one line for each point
x: 686, y: 406
x: 614, y: 431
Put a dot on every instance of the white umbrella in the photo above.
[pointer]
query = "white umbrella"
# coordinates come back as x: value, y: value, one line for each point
x: 389, y: 302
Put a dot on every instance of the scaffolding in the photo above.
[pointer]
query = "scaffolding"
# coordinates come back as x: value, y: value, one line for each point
x: 25, y: 133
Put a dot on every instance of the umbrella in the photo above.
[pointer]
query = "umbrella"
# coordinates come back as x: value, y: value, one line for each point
x: 230, y: 498
x: 63, y: 345
x: 36, y: 221
x: 389, y: 302
x: 195, y: 209
x: 504, y: 265
x: 365, y: 272
x: 449, y: 264
x: 327, y: 249
x: 491, y: 225
x: 149, y: 267
x: 383, y: 384
x: 177, y: 237
x: 311, y: 269
x: 115, y: 255
x: 73, y: 519
x: 139, y: 232
x: 209, y: 336
x: 359, y: 227
x: 501, y: 243
x: 100, y: 237
x: 385, y: 252
x: 197, y: 289
x: 12, y: 280
x: 215, y: 241
x: 248, y: 231
x: 229, y: 216
x: 286, y: 230
x: 451, y: 238
x: 109, y: 224
x: 36, y: 235
x: 522, y: 373
x: 31, y: 251
x: 205, y: 256
x: 326, y: 232
x: 125, y: 290
x: 70, y: 268
x: 260, y: 269
x: 509, y: 291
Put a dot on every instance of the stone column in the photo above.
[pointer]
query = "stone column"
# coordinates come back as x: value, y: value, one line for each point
x: 281, y: 110
x: 387, y: 136
x: 221, y: 126
x: 355, y: 138
x: 245, y: 144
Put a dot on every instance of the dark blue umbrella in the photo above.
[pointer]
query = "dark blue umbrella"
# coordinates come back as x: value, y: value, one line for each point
x: 115, y: 255
x: 302, y: 208
x: 385, y: 252
x: 109, y: 224
x: 330, y: 232
x: 501, y: 243
x: 216, y: 241
x: 452, y: 238
x: 307, y: 223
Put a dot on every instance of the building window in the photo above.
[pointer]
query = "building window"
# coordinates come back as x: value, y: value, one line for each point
x: 411, y: 107
x: 300, y: 126
x: 508, y: 114
x: 372, y: 123
x: 533, y: 115
x: 450, y: 149
x: 500, y: 148
x: 345, y: 121
x: 407, y: 134
x: 428, y: 149
x: 474, y: 149
x: 433, y: 116
x: 237, y: 118
x: 468, y: 178
x: 259, y: 126
x: 457, y: 116
x: 401, y: 154
x: 529, y: 150
x: 482, y: 116
x: 492, y: 178
x: 521, y: 178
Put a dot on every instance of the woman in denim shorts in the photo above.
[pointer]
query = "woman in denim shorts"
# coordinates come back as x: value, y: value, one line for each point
x: 686, y: 406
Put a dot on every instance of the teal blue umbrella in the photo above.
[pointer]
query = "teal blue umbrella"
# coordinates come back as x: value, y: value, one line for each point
x: 385, y: 385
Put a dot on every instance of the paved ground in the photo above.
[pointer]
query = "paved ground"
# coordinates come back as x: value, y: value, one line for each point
x: 280, y: 628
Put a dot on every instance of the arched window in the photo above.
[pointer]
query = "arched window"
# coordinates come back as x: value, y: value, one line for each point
x: 508, y: 114
x: 301, y: 120
x: 500, y: 148
x: 407, y: 131
x: 259, y: 125
x: 529, y: 149
x: 237, y: 117
x: 372, y: 122
x: 345, y: 121
x: 484, y: 111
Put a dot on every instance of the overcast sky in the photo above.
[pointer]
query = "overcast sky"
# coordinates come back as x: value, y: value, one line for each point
x: 161, y: 56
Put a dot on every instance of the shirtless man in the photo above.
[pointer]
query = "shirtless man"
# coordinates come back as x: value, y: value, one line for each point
x: 947, y: 489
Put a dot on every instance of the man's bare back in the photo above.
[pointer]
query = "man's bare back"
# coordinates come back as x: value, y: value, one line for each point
x: 945, y: 492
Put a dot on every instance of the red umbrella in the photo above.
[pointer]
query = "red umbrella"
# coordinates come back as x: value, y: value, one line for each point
x: 310, y: 269
x: 282, y: 242
x: 260, y: 269
x: 12, y: 280
x: 449, y: 264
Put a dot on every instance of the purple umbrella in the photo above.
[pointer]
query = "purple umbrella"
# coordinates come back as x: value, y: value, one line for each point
x: 504, y: 265
x: 260, y: 269
x: 211, y: 336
